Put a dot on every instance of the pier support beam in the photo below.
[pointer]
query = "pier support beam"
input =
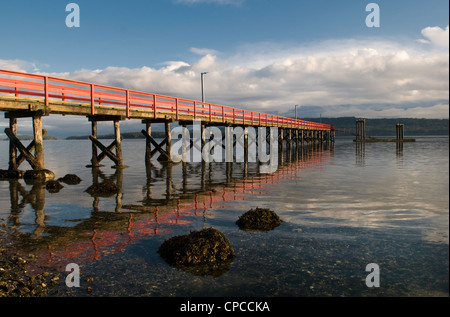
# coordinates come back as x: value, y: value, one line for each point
x: 38, y: 143
x: 12, y: 149
x: 164, y: 153
x: 360, y: 130
x: 399, y: 129
x: 36, y: 161
x: 107, y: 151
x: 148, y: 143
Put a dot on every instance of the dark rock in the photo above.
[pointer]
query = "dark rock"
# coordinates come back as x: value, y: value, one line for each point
x: 53, y: 186
x: 201, y: 252
x: 104, y: 189
x: 70, y: 179
x: 259, y: 219
x: 43, y: 175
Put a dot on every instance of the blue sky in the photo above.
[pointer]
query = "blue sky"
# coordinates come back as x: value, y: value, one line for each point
x: 137, y: 33
x: 260, y: 54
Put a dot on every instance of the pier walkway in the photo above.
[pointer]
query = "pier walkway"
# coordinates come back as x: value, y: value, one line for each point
x: 26, y: 95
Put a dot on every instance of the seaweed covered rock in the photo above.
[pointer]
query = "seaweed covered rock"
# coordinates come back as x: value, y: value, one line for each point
x: 70, y: 179
x: 104, y: 189
x: 259, y: 219
x: 53, y: 186
x: 201, y: 252
x: 41, y: 175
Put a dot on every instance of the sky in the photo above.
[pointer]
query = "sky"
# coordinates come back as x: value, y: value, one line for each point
x: 260, y: 55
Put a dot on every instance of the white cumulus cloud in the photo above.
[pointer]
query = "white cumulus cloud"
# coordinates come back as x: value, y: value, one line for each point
x: 436, y: 36
x: 347, y: 77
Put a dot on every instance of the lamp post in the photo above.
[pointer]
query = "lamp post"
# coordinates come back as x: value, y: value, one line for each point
x: 203, y: 88
x: 296, y: 112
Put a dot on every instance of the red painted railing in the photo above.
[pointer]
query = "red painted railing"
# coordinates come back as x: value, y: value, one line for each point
x: 18, y: 85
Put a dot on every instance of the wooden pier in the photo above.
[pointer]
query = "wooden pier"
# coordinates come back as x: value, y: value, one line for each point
x: 25, y: 95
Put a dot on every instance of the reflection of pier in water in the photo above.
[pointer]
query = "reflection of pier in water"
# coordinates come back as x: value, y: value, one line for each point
x: 360, y: 152
x: 106, y: 232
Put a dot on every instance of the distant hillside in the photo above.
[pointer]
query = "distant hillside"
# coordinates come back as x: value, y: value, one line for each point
x: 386, y: 127
x: 30, y: 137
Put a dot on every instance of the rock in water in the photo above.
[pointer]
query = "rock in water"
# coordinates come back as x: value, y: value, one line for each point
x: 207, y: 249
x: 104, y: 189
x: 259, y: 219
x: 70, y: 179
x: 53, y: 186
x: 43, y: 175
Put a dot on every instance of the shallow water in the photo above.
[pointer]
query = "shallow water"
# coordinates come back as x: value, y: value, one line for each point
x: 343, y: 206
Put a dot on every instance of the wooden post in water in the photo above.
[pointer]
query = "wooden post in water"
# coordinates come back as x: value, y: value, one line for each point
x: 148, y: 144
x: 360, y: 129
x: 12, y: 149
x: 38, y: 142
x: 107, y: 151
x: 94, y: 161
x: 399, y: 131
x: 280, y: 139
x: 169, y: 138
x: 289, y: 138
x: 118, y: 140
x: 245, y: 145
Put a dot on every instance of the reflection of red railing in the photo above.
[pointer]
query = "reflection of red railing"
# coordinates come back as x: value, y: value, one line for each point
x: 53, y: 90
x: 142, y: 225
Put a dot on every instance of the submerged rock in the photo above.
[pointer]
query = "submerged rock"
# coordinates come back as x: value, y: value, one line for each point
x: 53, y: 186
x: 43, y: 175
x: 201, y: 252
x: 17, y: 281
x: 104, y: 189
x: 259, y: 219
x: 70, y: 179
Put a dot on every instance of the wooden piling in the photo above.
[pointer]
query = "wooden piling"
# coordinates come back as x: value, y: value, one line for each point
x: 148, y: 144
x: 12, y: 149
x: 169, y: 139
x: 94, y: 161
x: 38, y: 142
x: 118, y: 141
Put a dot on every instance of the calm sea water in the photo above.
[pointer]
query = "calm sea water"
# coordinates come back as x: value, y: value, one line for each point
x: 343, y: 206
